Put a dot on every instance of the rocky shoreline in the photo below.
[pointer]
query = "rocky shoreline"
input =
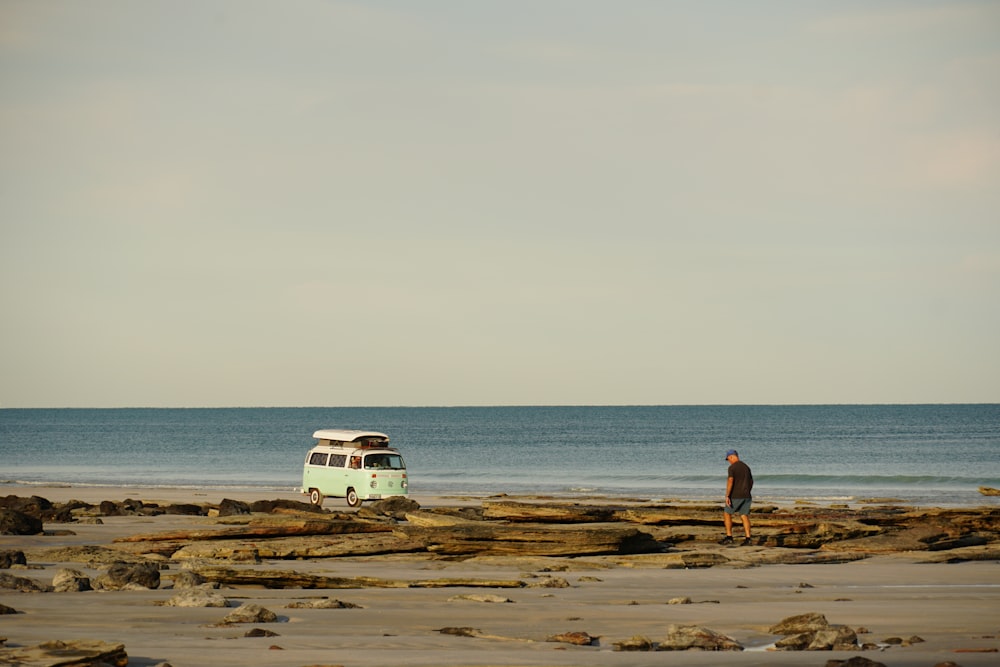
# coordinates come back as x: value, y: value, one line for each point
x: 211, y: 550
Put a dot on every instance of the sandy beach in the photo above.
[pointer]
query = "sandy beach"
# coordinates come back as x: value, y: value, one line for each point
x: 954, y: 608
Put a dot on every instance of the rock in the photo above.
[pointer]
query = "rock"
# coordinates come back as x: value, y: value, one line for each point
x: 197, y: 597
x: 681, y: 600
x: 250, y: 613
x: 812, y: 632
x: 292, y: 579
x: 685, y: 637
x: 634, y: 643
x: 496, y: 539
x: 79, y: 653
x: 124, y: 576
x: 10, y: 557
x: 460, y: 631
x: 324, y: 603
x: 362, y: 544
x: 88, y: 553
x: 481, y: 598
x: 696, y: 559
x: 23, y: 584
x: 266, y: 527
x: 67, y: 580
x: 856, y: 661
x: 547, y: 512
x: 989, y: 491
x: 185, y: 509
x: 814, y: 536
x: 282, y: 505
x: 4, y: 609
x: 260, y: 632
x: 188, y: 579
x: 14, y: 522
x: 791, y: 625
x: 229, y: 507
x: 34, y: 506
x: 835, y: 638
x: 576, y: 638
x: 549, y: 582
x: 794, y: 642
x: 393, y: 506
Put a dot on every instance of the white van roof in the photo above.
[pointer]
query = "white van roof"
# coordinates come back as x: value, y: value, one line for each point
x: 347, y: 435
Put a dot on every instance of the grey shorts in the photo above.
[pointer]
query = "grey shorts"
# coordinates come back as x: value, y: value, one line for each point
x: 739, y: 506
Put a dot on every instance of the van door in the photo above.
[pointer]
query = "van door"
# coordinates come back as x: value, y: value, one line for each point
x: 336, y: 476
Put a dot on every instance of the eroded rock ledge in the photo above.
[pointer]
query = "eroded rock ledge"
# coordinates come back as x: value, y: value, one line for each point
x: 679, y: 535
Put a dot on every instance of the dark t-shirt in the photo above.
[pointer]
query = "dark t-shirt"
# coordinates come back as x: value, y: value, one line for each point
x: 742, y: 480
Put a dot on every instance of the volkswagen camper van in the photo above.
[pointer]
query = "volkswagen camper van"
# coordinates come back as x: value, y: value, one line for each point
x: 356, y: 465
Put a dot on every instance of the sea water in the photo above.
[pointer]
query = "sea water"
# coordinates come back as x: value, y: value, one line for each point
x: 925, y: 454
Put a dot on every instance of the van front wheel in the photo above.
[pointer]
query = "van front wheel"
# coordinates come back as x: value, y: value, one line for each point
x: 352, y: 498
x: 315, y: 497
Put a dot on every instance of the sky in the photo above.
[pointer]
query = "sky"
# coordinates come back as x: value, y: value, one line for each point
x: 546, y: 202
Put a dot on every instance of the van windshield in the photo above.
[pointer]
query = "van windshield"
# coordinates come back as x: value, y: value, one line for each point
x: 384, y: 462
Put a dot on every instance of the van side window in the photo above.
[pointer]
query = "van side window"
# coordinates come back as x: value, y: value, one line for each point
x: 317, y: 459
x: 338, y: 460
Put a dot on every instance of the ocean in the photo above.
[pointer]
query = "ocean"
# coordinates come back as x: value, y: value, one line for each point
x: 920, y: 454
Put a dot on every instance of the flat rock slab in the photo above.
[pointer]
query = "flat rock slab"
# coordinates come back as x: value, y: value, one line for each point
x: 78, y: 653
x: 292, y: 579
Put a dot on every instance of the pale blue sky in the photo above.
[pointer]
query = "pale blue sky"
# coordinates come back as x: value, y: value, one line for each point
x: 245, y: 203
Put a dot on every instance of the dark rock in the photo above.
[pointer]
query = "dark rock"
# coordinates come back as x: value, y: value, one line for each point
x: 394, y: 506
x: 281, y: 504
x: 229, y: 507
x: 16, y: 522
x: 109, y: 508
x: 460, y: 632
x: 499, y: 539
x: 23, y: 584
x: 185, y: 509
x: 11, y: 557
x: 261, y: 632
x: 33, y: 506
x: 856, y: 661
x: 121, y: 576
x: 4, y: 609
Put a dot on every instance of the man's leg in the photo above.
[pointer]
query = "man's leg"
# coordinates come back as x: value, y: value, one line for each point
x: 745, y: 518
x: 727, y: 520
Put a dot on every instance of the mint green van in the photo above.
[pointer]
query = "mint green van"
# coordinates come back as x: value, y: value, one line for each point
x: 355, y: 465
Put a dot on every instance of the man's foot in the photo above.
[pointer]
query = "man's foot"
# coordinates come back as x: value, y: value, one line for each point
x: 728, y: 539
x: 746, y: 542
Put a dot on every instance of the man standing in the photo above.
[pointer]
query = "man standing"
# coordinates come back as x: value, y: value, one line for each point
x: 738, y: 487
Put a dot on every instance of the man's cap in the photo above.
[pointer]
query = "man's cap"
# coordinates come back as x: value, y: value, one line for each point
x: 731, y: 452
